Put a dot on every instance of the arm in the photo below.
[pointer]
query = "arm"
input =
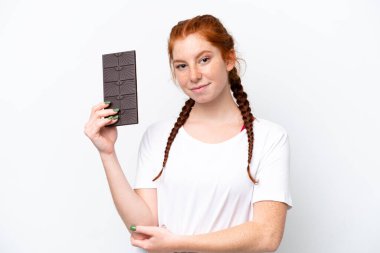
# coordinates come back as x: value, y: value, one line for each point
x: 133, y: 208
x: 271, y: 199
x: 262, y: 234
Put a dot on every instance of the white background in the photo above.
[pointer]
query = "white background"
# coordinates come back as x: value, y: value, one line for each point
x: 311, y: 66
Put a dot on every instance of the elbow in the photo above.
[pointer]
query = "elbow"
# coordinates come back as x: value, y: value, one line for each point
x: 271, y: 242
x: 271, y: 247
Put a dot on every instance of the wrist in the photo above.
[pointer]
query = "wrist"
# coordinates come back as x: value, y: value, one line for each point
x: 107, y: 154
x: 181, y: 243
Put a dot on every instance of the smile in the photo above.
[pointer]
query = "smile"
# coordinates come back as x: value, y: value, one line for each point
x: 200, y: 88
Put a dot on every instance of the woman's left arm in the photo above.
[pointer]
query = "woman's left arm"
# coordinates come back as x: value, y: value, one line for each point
x: 262, y: 234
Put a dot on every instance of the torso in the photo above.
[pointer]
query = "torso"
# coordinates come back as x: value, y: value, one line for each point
x: 212, y: 132
x: 200, y: 173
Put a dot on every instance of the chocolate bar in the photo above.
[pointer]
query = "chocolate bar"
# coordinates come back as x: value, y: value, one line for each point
x: 120, y: 85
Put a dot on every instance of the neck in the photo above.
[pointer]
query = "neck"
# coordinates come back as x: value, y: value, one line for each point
x: 221, y: 110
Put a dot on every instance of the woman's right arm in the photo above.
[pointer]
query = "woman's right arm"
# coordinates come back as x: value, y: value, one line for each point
x: 133, y: 208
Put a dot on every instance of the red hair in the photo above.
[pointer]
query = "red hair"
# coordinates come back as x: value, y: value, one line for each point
x: 212, y: 30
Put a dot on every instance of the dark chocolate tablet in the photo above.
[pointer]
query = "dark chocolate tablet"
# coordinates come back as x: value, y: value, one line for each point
x: 120, y: 85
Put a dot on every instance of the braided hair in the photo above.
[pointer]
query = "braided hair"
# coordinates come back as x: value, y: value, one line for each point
x: 213, y: 31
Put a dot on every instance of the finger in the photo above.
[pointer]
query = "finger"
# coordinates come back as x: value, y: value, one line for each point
x: 107, y: 121
x: 137, y: 242
x: 99, y: 123
x: 139, y: 236
x: 93, y: 126
x: 148, y: 230
x: 100, y: 106
x: 106, y: 112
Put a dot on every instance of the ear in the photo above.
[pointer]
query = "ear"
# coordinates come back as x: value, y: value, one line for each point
x: 230, y: 60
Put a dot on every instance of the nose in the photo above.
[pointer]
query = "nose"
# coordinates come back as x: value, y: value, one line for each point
x: 195, y: 74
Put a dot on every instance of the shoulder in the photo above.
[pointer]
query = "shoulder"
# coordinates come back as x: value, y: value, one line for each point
x: 268, y: 134
x: 265, y: 127
x: 161, y: 126
x: 272, y: 153
x: 159, y: 131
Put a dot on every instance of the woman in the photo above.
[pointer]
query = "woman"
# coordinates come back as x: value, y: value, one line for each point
x: 204, y: 188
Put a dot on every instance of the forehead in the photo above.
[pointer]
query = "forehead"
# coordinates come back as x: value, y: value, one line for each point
x: 191, y: 46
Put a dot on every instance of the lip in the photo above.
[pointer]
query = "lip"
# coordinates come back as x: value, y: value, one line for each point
x: 198, y: 88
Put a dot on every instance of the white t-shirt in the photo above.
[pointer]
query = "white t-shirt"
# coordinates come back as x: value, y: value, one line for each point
x: 205, y: 187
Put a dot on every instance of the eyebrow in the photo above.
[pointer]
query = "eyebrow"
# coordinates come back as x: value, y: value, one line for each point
x: 199, y: 54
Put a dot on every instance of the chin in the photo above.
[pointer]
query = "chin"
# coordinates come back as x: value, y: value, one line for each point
x: 202, y: 100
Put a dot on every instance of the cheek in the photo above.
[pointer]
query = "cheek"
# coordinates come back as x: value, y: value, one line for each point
x: 181, y: 79
x: 217, y: 71
x: 219, y: 76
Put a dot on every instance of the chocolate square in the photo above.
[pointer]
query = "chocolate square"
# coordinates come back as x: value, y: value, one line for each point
x: 120, y: 85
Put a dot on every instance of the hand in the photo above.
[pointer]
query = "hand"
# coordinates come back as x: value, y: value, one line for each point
x: 158, y: 239
x: 102, y: 137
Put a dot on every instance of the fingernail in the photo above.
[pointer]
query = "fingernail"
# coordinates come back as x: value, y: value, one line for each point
x: 116, y: 109
x: 107, y: 102
x: 110, y: 117
x: 133, y: 228
x: 115, y: 116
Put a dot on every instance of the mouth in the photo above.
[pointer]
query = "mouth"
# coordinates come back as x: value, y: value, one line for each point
x: 199, y: 87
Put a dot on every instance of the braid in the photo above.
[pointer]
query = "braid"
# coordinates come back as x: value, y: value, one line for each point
x: 212, y: 30
x: 183, y: 116
x: 245, y: 109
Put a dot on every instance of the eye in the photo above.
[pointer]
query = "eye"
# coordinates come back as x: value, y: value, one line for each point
x: 205, y: 59
x: 180, y: 66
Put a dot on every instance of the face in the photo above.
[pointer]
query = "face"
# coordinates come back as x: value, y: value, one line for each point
x: 200, y: 69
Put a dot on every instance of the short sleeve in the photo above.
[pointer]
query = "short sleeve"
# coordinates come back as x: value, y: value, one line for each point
x: 273, y: 169
x: 149, y: 161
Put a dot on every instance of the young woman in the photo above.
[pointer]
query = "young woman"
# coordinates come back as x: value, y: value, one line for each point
x: 216, y: 178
